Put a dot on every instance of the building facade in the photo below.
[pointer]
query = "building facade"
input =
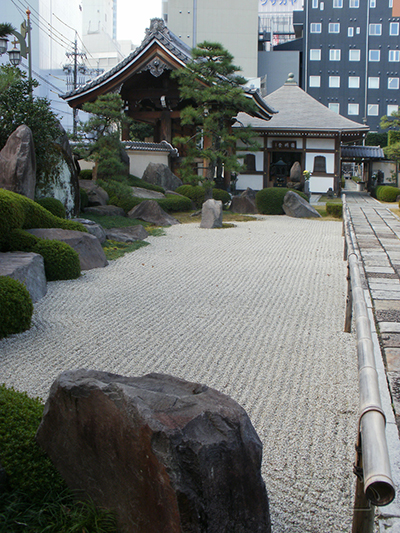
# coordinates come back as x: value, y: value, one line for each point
x: 351, y: 56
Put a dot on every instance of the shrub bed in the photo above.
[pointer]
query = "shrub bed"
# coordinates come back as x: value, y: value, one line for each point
x: 197, y: 194
x: 60, y: 260
x: 220, y: 194
x: 85, y: 174
x: 16, y: 307
x: 387, y: 193
x: 53, y: 205
x: 175, y: 203
x: 120, y: 194
x: 133, y: 181
x: 334, y: 209
x: 270, y: 201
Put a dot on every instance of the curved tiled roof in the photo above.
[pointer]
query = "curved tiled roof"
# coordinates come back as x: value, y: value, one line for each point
x: 362, y: 152
x: 300, y: 112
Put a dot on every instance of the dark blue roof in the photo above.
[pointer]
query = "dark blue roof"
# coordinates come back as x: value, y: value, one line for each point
x: 363, y: 152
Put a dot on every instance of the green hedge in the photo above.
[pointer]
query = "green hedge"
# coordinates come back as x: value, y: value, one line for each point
x: 53, y: 205
x: 120, y: 194
x: 387, y: 193
x: 175, y: 203
x: 220, y: 194
x: 16, y: 307
x: 85, y: 174
x: 334, y: 209
x: 197, y: 194
x: 269, y: 201
x: 60, y: 260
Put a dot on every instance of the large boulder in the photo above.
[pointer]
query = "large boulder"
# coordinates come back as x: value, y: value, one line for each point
x: 150, y: 211
x: 91, y: 254
x: 295, y: 173
x: 211, y: 214
x: 64, y: 182
x: 18, y: 163
x: 160, y: 174
x: 28, y: 268
x: 128, y: 234
x: 105, y: 211
x: 94, y: 229
x: 295, y: 206
x: 96, y: 194
x: 245, y: 203
x: 139, y: 192
x: 163, y: 453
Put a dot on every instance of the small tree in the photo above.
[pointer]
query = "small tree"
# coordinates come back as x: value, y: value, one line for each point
x: 211, y: 86
x: 392, y: 123
x: 17, y: 108
x: 99, y: 137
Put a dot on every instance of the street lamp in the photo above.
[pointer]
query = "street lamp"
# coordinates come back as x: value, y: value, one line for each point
x: 24, y: 49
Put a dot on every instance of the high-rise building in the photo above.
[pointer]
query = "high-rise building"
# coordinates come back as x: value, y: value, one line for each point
x: 232, y: 23
x: 351, y: 56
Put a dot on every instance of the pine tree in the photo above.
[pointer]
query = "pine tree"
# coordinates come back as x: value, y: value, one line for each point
x: 214, y: 89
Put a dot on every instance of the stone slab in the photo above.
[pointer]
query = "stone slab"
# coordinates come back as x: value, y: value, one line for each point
x: 383, y: 270
x: 28, y: 268
x: 392, y: 359
x: 389, y: 327
x: 390, y: 340
x: 385, y: 295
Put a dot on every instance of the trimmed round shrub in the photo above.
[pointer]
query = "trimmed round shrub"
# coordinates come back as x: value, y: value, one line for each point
x: 270, y: 201
x: 220, y: 194
x: 11, y: 212
x: 195, y: 192
x: 60, y: 260
x: 120, y: 194
x: 85, y: 174
x: 334, y: 209
x: 175, y: 203
x: 16, y: 307
x: 84, y: 199
x: 387, y: 193
x: 53, y: 205
x: 19, y: 240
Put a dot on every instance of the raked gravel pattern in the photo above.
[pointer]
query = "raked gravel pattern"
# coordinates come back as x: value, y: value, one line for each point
x: 255, y: 311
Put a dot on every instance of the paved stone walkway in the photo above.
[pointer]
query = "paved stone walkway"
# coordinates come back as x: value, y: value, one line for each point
x: 256, y: 311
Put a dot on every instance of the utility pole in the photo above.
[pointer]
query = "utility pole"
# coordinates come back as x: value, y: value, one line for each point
x: 75, y: 54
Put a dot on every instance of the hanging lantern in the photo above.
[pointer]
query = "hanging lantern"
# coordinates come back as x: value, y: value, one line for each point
x: 14, y: 56
x: 3, y: 45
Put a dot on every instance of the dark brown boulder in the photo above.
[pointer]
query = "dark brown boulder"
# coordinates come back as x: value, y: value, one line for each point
x: 96, y: 194
x: 91, y: 254
x: 128, y: 234
x: 245, y: 203
x: 166, y: 454
x: 18, y: 163
x: 150, y: 211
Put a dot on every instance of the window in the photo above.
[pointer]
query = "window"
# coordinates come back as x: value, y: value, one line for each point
x: 334, y: 55
x: 334, y: 27
x: 321, y: 6
x: 315, y: 4
x: 315, y: 54
x: 334, y: 107
x: 354, y: 3
x: 391, y: 108
x: 354, y: 82
x: 390, y: 3
x: 374, y: 55
x: 315, y: 81
x: 354, y: 55
x: 394, y: 55
x: 334, y: 81
x: 315, y: 27
x: 352, y: 109
x: 373, y: 83
x: 373, y: 110
x: 337, y: 3
x: 320, y: 164
x: 372, y: 3
x: 394, y: 28
x: 358, y: 30
x: 250, y: 162
x: 350, y: 32
x: 375, y: 29
x: 393, y: 83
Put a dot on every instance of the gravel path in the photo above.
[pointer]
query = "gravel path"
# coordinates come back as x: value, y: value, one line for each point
x: 255, y: 311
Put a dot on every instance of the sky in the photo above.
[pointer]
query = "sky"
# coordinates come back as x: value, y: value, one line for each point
x: 133, y: 17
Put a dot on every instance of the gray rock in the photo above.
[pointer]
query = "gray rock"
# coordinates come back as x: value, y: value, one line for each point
x: 160, y: 174
x: 94, y: 229
x: 295, y: 173
x: 91, y: 254
x: 163, y: 453
x: 211, y: 214
x: 146, y: 193
x: 18, y: 163
x: 106, y: 211
x: 295, y: 206
x: 96, y: 194
x: 128, y: 234
x: 150, y: 211
x: 244, y: 203
x: 28, y: 268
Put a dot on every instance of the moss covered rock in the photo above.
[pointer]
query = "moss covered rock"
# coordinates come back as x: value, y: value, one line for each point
x: 53, y: 205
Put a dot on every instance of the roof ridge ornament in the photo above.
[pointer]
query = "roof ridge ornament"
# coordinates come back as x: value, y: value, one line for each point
x: 291, y: 80
x: 157, y: 25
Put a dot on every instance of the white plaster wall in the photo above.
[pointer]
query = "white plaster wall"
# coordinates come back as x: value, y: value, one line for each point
x: 385, y: 167
x: 138, y: 161
x: 259, y: 140
x: 330, y: 161
x: 320, y: 144
x: 321, y: 185
x: 255, y: 182
x: 259, y: 159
